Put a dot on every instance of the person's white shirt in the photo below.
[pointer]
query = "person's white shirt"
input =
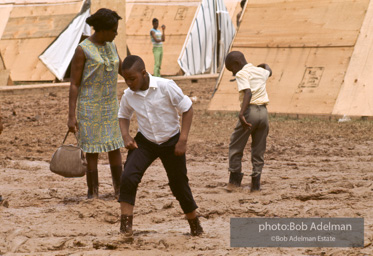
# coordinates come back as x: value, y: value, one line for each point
x: 253, y: 78
x: 157, y: 109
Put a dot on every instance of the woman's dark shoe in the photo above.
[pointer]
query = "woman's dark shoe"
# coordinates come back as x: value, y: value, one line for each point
x: 92, y: 183
x: 116, y: 173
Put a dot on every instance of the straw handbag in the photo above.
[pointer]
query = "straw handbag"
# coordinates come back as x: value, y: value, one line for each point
x: 68, y: 161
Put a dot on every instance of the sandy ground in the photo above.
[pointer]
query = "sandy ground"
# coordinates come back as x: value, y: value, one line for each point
x: 314, y: 168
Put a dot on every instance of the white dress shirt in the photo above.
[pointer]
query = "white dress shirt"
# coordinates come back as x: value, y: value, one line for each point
x: 157, y: 109
x: 254, y: 78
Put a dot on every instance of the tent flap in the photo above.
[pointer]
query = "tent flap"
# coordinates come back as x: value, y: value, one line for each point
x: 201, y: 54
x: 58, y: 55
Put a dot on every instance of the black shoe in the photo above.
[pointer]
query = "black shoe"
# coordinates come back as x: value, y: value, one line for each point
x: 255, y: 183
x: 126, y: 224
x: 116, y: 173
x: 195, y: 227
x: 235, y: 178
x: 92, y: 183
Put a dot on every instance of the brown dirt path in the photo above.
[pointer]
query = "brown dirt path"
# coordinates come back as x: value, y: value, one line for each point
x: 314, y: 168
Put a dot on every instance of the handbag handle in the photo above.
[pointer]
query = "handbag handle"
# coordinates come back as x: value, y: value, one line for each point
x: 66, y: 137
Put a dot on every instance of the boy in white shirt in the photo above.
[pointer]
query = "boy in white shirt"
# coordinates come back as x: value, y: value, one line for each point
x: 156, y: 102
x: 253, y: 118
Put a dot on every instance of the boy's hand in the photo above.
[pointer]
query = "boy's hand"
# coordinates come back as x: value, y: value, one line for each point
x: 163, y: 27
x: 129, y: 142
x: 244, y: 123
x: 180, y: 148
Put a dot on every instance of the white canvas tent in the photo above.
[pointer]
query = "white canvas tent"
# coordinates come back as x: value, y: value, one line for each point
x: 209, y: 39
x: 191, y: 25
x: 58, y: 55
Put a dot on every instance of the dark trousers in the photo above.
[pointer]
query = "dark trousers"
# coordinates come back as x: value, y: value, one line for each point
x: 257, y: 116
x: 139, y: 159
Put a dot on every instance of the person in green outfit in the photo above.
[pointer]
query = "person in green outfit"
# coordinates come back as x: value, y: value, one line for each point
x: 93, y: 102
x: 157, y: 37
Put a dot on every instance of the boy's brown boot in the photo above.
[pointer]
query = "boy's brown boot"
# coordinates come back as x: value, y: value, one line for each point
x: 195, y: 227
x: 255, y: 183
x: 235, y: 179
x: 126, y: 224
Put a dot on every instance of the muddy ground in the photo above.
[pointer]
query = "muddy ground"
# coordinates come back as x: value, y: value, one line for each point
x: 315, y: 167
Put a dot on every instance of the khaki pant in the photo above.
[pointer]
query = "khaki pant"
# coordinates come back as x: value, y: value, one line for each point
x: 158, y: 54
x: 257, y: 116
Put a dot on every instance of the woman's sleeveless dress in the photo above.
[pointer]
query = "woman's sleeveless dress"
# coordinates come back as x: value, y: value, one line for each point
x: 97, y: 108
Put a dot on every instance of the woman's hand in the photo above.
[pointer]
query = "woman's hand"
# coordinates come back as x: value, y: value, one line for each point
x: 72, y: 124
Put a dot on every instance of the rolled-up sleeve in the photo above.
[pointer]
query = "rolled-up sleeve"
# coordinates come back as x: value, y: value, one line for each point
x: 125, y: 110
x: 180, y: 101
x: 243, y: 79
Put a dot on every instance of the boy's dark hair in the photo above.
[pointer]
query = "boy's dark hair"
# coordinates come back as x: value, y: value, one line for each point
x: 154, y: 20
x: 132, y: 60
x: 103, y: 19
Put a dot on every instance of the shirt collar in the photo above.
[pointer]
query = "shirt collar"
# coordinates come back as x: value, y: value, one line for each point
x: 152, y: 81
x: 152, y: 84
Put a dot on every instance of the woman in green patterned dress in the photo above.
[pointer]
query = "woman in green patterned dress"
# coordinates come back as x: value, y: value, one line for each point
x: 93, y: 102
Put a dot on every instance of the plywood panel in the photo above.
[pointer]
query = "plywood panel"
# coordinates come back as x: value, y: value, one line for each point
x: 4, y: 14
x: 36, y: 27
x: 171, y: 52
x: 25, y: 2
x: 46, y: 9
x: 21, y: 58
x: 177, y: 18
x: 162, y: 2
x: 304, y: 80
x: 355, y: 97
x: 301, y: 23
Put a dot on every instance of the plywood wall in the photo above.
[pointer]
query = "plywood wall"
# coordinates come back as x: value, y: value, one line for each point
x: 177, y: 16
x: 307, y: 43
x: 356, y: 94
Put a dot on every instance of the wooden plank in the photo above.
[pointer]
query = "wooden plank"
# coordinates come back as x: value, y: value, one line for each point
x: 304, y: 80
x: 21, y: 58
x: 301, y: 23
x: 4, y: 14
x: 25, y: 2
x: 141, y: 46
x: 5, y: 77
x: 36, y: 27
x: 177, y: 19
x: 50, y: 9
x: 356, y: 94
x: 2, y: 64
x: 161, y: 1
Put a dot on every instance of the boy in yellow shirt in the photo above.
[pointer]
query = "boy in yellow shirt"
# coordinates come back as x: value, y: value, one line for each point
x: 253, y: 117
